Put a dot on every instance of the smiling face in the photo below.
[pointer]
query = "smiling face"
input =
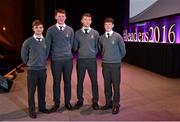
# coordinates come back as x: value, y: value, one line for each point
x: 60, y: 18
x: 38, y: 30
x: 86, y: 21
x: 37, y: 27
x: 108, y: 26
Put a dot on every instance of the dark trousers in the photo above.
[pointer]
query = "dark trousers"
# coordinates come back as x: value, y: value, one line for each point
x: 112, y: 76
x: 58, y: 68
x: 91, y: 66
x: 36, y: 78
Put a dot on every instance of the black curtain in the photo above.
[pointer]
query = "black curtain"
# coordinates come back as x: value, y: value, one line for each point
x: 161, y: 58
x: 98, y: 9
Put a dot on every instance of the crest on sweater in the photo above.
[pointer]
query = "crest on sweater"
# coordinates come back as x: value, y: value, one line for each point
x: 67, y: 35
x: 44, y: 45
x: 92, y: 36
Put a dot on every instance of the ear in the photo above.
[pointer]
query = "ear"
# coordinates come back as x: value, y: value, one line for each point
x: 81, y: 21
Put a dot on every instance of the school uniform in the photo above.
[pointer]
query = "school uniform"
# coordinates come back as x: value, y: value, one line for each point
x: 113, y: 50
x: 34, y: 55
x: 86, y: 44
x: 59, y: 42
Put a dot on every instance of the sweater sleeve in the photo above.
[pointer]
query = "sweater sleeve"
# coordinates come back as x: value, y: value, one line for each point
x: 72, y: 38
x: 96, y: 44
x: 48, y: 41
x: 99, y: 44
x: 25, y: 52
x: 122, y: 48
x: 75, y: 44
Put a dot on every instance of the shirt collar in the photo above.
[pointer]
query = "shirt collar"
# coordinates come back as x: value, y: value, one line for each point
x: 35, y: 36
x: 62, y: 25
x: 89, y: 29
x: 110, y: 32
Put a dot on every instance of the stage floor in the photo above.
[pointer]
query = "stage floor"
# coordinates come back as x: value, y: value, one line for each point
x: 145, y: 96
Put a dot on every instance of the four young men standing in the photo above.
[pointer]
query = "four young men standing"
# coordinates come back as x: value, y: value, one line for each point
x: 60, y: 39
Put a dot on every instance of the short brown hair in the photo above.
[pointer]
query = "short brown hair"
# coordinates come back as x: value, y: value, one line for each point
x: 60, y: 11
x: 108, y: 19
x: 36, y: 23
x: 86, y: 15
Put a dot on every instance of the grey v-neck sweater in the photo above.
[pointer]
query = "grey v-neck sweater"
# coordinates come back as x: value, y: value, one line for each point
x: 112, y: 48
x: 60, y: 42
x: 86, y: 44
x: 34, y: 53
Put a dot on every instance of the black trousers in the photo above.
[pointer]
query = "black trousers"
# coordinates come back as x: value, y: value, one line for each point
x: 112, y: 76
x: 36, y: 78
x: 62, y: 67
x: 91, y: 66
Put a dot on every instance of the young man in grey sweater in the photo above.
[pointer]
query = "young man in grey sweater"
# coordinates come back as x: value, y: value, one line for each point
x: 113, y: 50
x: 34, y: 54
x: 59, y: 41
x: 86, y: 44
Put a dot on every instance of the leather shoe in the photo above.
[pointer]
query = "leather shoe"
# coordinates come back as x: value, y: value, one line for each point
x: 115, y: 110
x: 54, y: 108
x: 95, y: 106
x: 105, y: 107
x: 68, y: 106
x: 33, y: 115
x: 78, y: 105
x: 44, y: 111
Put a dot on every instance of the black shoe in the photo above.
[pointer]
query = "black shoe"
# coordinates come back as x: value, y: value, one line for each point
x: 105, y: 107
x: 78, y: 105
x: 115, y: 110
x: 54, y: 108
x: 68, y: 106
x: 44, y: 111
x: 95, y: 106
x: 33, y: 115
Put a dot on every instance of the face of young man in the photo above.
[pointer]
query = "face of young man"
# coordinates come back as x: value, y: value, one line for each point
x: 38, y: 30
x: 108, y: 26
x: 86, y: 21
x: 60, y: 18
